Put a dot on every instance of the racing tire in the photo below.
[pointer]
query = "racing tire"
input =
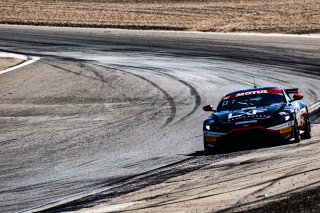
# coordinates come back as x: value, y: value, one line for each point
x: 208, y: 151
x: 307, y: 131
x: 297, y: 136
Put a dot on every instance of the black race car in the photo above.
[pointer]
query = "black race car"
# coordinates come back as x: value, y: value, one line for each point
x: 256, y: 117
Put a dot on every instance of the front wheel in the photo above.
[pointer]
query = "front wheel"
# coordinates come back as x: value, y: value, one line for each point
x: 297, y: 136
x: 207, y: 150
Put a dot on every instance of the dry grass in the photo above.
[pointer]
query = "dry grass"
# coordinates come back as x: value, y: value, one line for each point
x: 289, y: 16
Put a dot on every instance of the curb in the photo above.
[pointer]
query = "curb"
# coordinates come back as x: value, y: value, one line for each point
x: 27, y: 61
x: 12, y: 55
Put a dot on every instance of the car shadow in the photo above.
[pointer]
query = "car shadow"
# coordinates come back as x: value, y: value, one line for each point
x: 236, y: 149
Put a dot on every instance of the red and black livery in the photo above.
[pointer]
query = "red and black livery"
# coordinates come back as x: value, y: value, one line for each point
x: 252, y: 117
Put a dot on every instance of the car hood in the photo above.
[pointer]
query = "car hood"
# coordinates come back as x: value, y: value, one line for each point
x: 248, y: 116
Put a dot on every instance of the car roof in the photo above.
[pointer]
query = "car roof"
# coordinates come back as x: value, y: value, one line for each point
x: 253, y: 89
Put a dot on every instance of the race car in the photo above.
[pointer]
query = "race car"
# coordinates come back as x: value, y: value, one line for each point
x: 256, y: 117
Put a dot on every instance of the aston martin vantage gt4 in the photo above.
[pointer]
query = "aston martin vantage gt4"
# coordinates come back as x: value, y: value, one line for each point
x: 252, y: 117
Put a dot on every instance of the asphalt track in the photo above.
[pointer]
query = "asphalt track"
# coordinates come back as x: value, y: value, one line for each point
x: 102, y: 106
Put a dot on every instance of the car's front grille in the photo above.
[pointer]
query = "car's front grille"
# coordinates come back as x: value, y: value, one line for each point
x: 249, y: 139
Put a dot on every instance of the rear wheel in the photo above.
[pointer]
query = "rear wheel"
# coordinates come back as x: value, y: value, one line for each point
x: 307, y: 130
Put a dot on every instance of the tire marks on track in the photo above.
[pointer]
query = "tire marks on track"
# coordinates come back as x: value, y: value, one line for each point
x: 158, y: 71
x: 193, y: 92
x: 173, y: 108
x: 99, y: 76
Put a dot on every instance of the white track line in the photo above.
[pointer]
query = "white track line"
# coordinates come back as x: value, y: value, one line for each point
x: 28, y: 61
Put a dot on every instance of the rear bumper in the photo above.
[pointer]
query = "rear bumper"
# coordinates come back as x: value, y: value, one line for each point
x: 249, y: 137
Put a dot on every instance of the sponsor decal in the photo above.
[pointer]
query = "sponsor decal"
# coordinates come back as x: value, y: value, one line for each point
x: 246, y: 122
x: 213, y: 134
x: 281, y: 126
x: 286, y: 129
x: 283, y: 113
x: 251, y: 112
x: 253, y: 92
x: 301, y: 117
x: 211, y: 139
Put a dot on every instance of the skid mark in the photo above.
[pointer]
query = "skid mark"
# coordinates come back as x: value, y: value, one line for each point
x: 170, y: 99
x: 92, y: 70
x: 193, y: 91
x: 155, y: 100
x: 77, y: 73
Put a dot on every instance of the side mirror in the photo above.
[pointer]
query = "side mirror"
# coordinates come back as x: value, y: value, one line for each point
x: 297, y: 96
x: 208, y: 108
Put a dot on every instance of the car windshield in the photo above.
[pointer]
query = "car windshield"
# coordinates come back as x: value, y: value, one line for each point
x: 235, y: 101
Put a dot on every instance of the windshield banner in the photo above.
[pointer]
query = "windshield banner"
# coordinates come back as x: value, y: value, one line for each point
x: 253, y: 92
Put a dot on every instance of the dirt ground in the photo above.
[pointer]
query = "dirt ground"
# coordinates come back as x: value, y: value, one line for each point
x: 286, y: 16
x: 8, y: 62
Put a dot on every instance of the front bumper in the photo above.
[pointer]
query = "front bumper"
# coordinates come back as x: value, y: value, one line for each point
x: 248, y: 137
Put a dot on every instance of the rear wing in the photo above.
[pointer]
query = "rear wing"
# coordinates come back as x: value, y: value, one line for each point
x: 292, y: 91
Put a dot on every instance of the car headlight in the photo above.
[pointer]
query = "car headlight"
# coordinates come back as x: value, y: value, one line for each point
x: 212, y: 127
x: 211, y: 124
x: 208, y: 127
x: 279, y: 120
